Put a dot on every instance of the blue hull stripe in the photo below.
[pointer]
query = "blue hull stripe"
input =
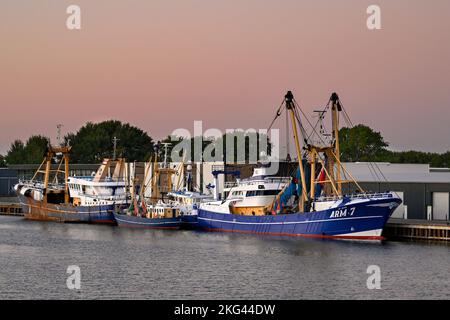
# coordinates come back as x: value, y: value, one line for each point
x: 289, y: 222
x: 147, y: 223
x: 140, y: 222
x: 364, y: 219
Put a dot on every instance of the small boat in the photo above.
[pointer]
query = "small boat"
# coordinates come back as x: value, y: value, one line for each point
x: 77, y: 199
x: 152, y: 213
x: 312, y: 203
x: 185, y: 199
x: 158, y: 216
x: 188, y: 202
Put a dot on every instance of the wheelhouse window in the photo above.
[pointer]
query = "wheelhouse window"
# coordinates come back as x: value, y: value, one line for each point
x: 255, y: 193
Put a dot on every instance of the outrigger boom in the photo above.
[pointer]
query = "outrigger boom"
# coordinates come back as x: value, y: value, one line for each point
x: 326, y: 155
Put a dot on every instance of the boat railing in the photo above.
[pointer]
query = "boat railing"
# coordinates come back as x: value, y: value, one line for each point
x: 365, y: 195
x: 230, y: 184
x: 279, y: 180
x: 91, y: 178
x: 83, y: 177
x: 41, y: 185
x: 107, y: 197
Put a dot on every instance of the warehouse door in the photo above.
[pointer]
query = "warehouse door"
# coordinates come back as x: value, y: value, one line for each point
x: 400, y: 211
x: 440, y: 205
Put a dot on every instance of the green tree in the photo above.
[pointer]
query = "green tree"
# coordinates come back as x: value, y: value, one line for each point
x: 247, y: 147
x: 35, y: 149
x: 16, y: 153
x: 445, y: 160
x: 31, y: 152
x: 361, y: 143
x: 94, y: 141
x: 2, y: 161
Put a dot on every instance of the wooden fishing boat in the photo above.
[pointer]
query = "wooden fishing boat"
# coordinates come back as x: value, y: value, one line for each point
x: 90, y: 199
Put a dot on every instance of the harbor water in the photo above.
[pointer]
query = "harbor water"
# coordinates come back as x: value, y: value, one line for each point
x: 120, y: 263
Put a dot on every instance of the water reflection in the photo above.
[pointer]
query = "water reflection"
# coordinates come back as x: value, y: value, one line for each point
x: 154, y: 264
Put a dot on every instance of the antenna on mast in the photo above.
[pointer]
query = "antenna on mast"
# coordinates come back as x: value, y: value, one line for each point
x: 58, y: 137
x: 115, y: 147
x: 166, y: 145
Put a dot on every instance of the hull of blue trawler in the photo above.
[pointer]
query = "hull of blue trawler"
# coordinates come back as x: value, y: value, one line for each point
x: 358, y: 221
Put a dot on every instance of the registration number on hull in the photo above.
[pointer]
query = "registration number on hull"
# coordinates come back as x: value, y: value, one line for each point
x: 346, y: 212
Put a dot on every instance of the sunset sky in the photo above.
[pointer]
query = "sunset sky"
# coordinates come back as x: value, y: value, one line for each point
x: 161, y: 64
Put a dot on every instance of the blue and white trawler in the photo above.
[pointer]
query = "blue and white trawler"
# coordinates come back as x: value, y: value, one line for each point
x: 312, y: 204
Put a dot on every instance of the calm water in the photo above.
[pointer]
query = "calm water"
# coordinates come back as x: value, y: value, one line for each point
x: 152, y: 264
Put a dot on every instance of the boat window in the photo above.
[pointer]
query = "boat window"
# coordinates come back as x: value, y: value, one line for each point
x: 254, y: 193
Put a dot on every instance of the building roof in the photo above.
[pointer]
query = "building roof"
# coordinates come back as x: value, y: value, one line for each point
x: 397, y: 172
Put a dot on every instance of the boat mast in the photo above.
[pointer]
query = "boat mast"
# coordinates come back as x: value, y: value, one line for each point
x: 154, y: 179
x: 313, y: 174
x: 289, y: 97
x: 66, y: 151
x: 167, y: 171
x: 48, y: 160
x: 288, y: 147
x: 166, y: 145
x: 144, y: 181
x: 181, y: 173
x: 51, y: 152
x: 335, y: 109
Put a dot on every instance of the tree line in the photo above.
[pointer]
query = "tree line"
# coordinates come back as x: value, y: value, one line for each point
x: 94, y: 141
x: 361, y: 143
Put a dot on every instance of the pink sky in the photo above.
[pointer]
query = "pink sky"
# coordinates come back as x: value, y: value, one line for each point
x: 162, y: 64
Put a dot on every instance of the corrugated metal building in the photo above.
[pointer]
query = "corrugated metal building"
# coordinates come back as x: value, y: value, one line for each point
x: 8, y: 178
x: 424, y: 190
x: 27, y: 171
